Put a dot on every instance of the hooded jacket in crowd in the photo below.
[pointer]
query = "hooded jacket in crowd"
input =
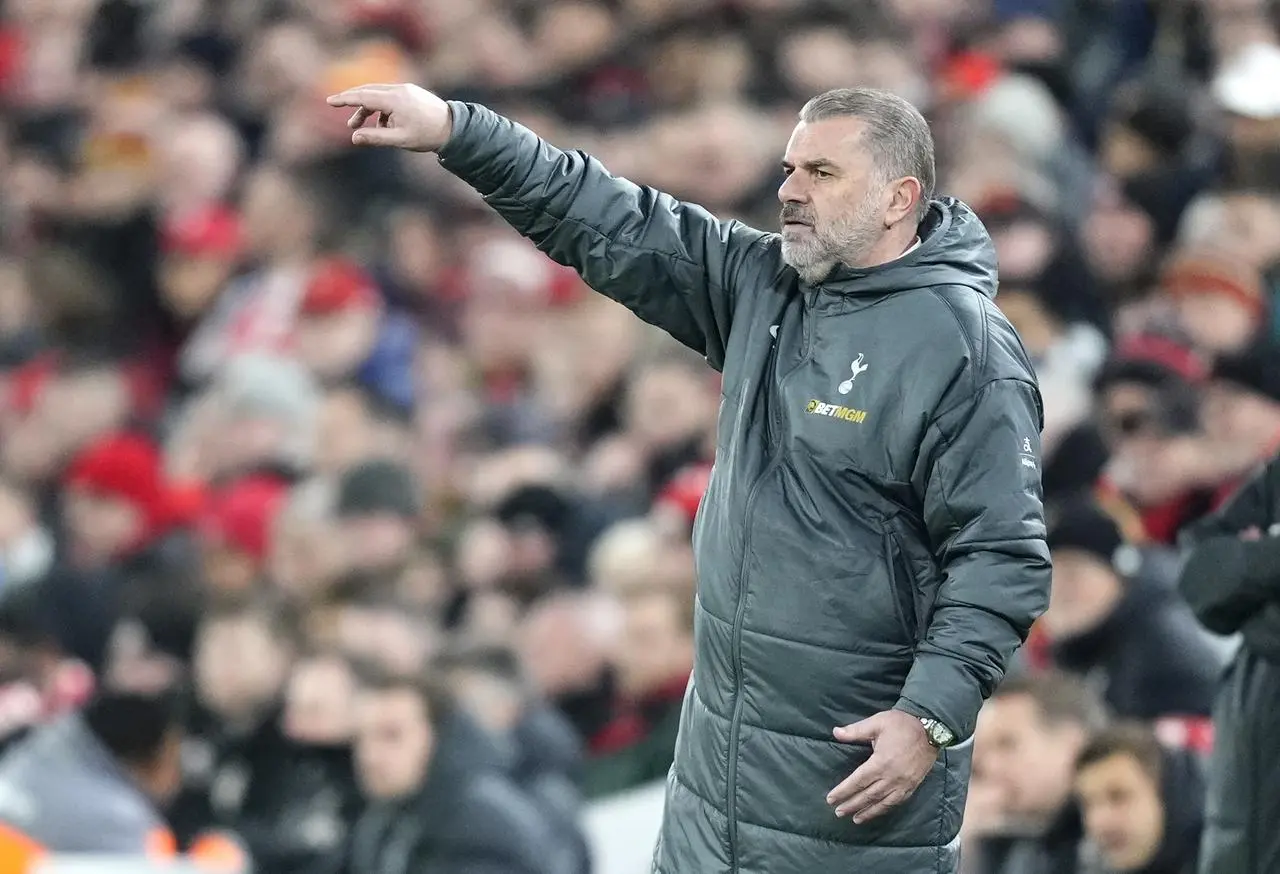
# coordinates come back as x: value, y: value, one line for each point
x: 469, y: 817
x: 872, y: 536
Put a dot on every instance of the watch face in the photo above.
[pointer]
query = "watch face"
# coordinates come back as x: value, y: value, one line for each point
x: 939, y: 734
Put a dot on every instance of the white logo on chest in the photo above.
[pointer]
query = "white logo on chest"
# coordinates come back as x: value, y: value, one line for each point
x: 857, y: 367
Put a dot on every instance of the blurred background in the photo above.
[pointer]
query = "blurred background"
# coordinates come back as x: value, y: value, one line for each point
x: 290, y: 427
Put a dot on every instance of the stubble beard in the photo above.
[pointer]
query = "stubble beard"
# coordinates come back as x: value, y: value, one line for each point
x: 847, y: 240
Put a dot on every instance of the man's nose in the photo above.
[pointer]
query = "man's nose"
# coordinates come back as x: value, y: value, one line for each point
x: 793, y: 190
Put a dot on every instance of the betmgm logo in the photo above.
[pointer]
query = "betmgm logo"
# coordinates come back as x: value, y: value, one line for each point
x: 835, y: 411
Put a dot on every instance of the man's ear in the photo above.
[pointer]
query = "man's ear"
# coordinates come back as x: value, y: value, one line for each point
x: 904, y: 197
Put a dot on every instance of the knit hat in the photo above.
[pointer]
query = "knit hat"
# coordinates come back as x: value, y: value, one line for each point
x: 1256, y: 369
x: 337, y: 285
x: 128, y: 468
x: 1082, y: 525
x: 1206, y: 272
x: 377, y: 487
x: 254, y: 386
x: 241, y: 516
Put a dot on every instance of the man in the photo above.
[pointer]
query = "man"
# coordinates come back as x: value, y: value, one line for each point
x: 288, y: 800
x: 1116, y: 621
x: 871, y: 547
x: 439, y: 798
x: 378, y: 507
x: 1232, y: 581
x: 1142, y: 804
x: 544, y: 753
x: 1030, y: 733
x: 94, y: 782
x: 651, y: 667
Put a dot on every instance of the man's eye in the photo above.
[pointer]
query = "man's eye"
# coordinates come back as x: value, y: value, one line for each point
x: 821, y: 174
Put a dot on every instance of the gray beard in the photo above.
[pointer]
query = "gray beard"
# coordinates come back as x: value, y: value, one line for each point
x: 847, y: 241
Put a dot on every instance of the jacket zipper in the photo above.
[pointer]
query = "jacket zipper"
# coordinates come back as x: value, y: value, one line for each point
x: 774, y: 422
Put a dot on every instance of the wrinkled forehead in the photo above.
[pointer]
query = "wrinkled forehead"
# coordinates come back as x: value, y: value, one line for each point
x: 839, y: 140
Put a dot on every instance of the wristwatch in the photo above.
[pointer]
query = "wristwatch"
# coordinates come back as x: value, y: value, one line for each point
x: 939, y: 735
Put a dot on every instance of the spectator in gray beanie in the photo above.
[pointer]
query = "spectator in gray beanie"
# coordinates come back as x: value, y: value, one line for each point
x: 378, y: 506
x: 272, y: 405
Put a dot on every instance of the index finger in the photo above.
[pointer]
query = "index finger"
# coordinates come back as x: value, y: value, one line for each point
x: 369, y: 96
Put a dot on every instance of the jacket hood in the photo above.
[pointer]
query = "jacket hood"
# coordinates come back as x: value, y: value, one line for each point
x: 955, y: 249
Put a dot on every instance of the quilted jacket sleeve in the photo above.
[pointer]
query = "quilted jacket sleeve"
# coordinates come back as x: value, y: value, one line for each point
x: 980, y: 482
x: 672, y: 263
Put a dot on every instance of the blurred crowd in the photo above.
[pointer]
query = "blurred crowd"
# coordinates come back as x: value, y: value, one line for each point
x: 384, y: 518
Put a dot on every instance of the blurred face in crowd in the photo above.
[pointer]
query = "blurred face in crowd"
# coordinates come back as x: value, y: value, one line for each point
x: 818, y: 59
x: 1240, y: 418
x: 656, y: 648
x: 667, y: 405
x: 1118, y: 239
x: 491, y: 700
x: 190, y: 283
x: 834, y: 199
x: 1085, y: 592
x: 277, y: 218
x: 1024, y: 248
x: 240, y: 665
x: 389, y: 636
x: 1128, y: 412
x: 318, y: 701
x: 100, y: 527
x: 334, y: 345
x: 1216, y: 323
x: 306, y: 554
x: 346, y: 432
x: 394, y: 741
x: 1034, y: 323
x: 227, y: 568
x: 1252, y: 227
x: 1123, y: 811
x: 566, y: 642
x: 1031, y: 759
x: 377, y: 541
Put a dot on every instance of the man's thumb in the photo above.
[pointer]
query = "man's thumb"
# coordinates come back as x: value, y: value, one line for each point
x: 859, y: 732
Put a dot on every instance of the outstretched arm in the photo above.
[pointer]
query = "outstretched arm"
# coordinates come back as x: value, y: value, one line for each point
x: 672, y: 263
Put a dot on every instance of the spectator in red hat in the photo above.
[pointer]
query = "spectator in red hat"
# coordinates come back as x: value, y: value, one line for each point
x: 115, y: 500
x: 235, y: 532
x: 200, y: 253
x: 116, y: 518
x: 344, y: 332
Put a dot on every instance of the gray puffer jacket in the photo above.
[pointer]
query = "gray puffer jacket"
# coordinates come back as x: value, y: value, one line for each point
x: 872, y: 536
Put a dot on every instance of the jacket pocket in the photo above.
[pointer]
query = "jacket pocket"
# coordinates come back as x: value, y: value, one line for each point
x: 902, y: 587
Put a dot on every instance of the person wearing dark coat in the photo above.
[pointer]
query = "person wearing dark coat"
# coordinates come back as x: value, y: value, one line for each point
x: 1114, y: 621
x: 1231, y: 579
x: 539, y: 748
x: 291, y: 799
x: 874, y: 524
x: 1142, y: 803
x: 439, y: 795
x: 1030, y: 734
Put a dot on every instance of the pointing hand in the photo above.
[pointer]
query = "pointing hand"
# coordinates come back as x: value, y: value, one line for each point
x: 402, y: 116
